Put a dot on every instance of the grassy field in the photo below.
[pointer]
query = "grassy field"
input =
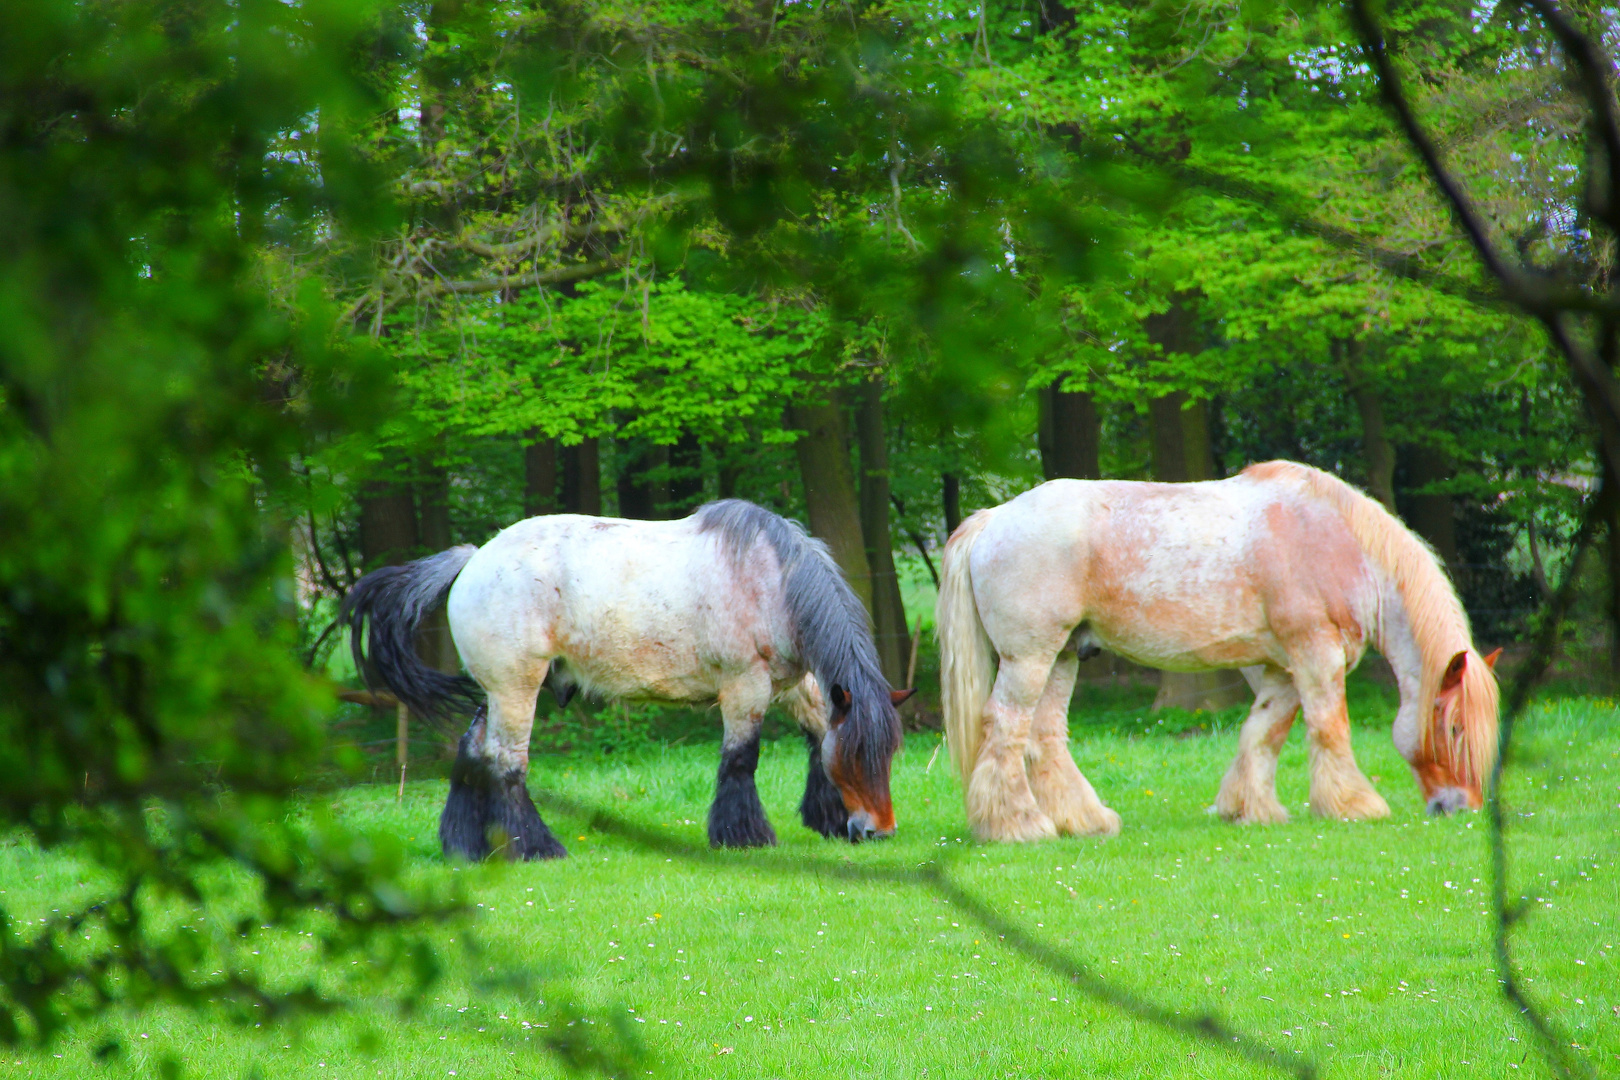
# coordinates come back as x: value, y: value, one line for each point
x: 1364, y: 948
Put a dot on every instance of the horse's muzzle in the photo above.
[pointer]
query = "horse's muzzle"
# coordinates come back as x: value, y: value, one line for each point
x: 1447, y: 801
x: 861, y: 828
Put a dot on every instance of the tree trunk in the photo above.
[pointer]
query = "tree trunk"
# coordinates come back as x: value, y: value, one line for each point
x: 888, y: 607
x: 539, y: 476
x: 388, y: 526
x: 727, y: 472
x: 1610, y: 496
x: 1071, y: 434
x: 829, y: 490
x: 641, y: 496
x: 1181, y: 453
x: 1431, y: 516
x: 387, y: 523
x: 952, y: 498
x: 1378, y: 453
x: 1181, y: 444
x: 436, y: 79
x: 582, y: 479
x: 433, y: 643
x: 685, y: 476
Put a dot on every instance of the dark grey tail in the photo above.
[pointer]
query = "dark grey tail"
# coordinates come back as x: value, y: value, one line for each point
x: 393, y: 601
x: 830, y: 626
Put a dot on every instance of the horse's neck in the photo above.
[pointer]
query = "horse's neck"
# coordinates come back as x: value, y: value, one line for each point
x: 1396, y: 642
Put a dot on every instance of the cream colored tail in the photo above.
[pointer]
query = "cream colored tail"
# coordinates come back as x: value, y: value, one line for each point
x: 967, y: 660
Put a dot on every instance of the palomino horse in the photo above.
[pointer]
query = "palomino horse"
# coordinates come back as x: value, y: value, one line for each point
x: 733, y: 604
x: 1283, y: 570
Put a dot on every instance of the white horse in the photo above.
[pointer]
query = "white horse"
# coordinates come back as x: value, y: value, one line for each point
x: 733, y: 604
x: 1284, y: 571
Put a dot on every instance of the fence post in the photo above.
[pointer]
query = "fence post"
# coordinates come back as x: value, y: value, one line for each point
x: 402, y: 730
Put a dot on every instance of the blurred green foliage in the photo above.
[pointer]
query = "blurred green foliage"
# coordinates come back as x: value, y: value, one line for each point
x: 153, y: 393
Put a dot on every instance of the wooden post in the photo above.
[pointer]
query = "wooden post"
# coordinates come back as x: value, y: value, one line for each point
x: 402, y: 731
x: 911, y: 665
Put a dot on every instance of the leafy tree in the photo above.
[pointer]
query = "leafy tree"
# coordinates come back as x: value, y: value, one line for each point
x: 155, y: 721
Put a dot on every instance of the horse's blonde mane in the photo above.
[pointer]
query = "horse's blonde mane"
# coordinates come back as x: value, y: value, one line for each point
x: 1438, y: 623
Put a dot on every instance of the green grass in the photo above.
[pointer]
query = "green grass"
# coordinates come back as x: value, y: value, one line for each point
x: 1362, y: 947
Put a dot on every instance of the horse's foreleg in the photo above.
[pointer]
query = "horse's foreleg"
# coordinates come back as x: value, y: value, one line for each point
x: 1000, y: 804
x: 1338, y: 788
x: 1249, y: 791
x: 489, y: 810
x: 1061, y: 790
x: 822, y: 808
x: 737, y: 818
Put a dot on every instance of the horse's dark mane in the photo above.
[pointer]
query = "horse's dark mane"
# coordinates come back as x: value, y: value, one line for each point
x: 830, y: 627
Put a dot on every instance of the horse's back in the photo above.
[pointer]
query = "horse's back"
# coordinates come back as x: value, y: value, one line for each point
x: 632, y: 607
x: 1186, y: 576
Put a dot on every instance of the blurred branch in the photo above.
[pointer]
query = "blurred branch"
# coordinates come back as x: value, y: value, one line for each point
x: 1596, y: 78
x: 1530, y: 294
x: 1280, y: 205
x: 1553, y: 1043
x: 1598, y: 386
x: 558, y: 276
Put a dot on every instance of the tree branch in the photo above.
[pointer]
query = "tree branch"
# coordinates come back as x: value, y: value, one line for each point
x: 1595, y: 79
x: 558, y: 276
x: 1598, y: 383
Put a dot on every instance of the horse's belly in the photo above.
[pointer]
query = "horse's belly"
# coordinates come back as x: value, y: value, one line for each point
x: 1169, y: 654
x: 648, y: 669
x: 1189, y: 639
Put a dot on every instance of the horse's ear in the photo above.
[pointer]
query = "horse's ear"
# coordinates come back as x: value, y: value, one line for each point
x: 841, y: 702
x: 898, y: 698
x: 1490, y: 661
x: 1454, y: 672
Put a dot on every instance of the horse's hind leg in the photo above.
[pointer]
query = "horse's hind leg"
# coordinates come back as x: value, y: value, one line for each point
x: 1000, y: 804
x: 1249, y: 792
x: 489, y: 809
x: 1338, y: 788
x: 1060, y: 789
x: 737, y: 818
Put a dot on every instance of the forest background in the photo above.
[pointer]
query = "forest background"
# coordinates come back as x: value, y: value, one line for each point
x: 875, y: 267
x: 294, y: 290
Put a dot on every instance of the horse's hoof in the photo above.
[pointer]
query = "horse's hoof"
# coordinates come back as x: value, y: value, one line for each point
x: 743, y: 838
x: 1365, y: 805
x: 1102, y: 824
x: 1447, y: 801
x: 547, y: 847
x: 1251, y: 813
x: 1016, y: 829
x: 1087, y: 820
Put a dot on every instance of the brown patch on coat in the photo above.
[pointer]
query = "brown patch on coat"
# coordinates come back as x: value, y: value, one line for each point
x: 861, y: 792
x: 1312, y: 569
